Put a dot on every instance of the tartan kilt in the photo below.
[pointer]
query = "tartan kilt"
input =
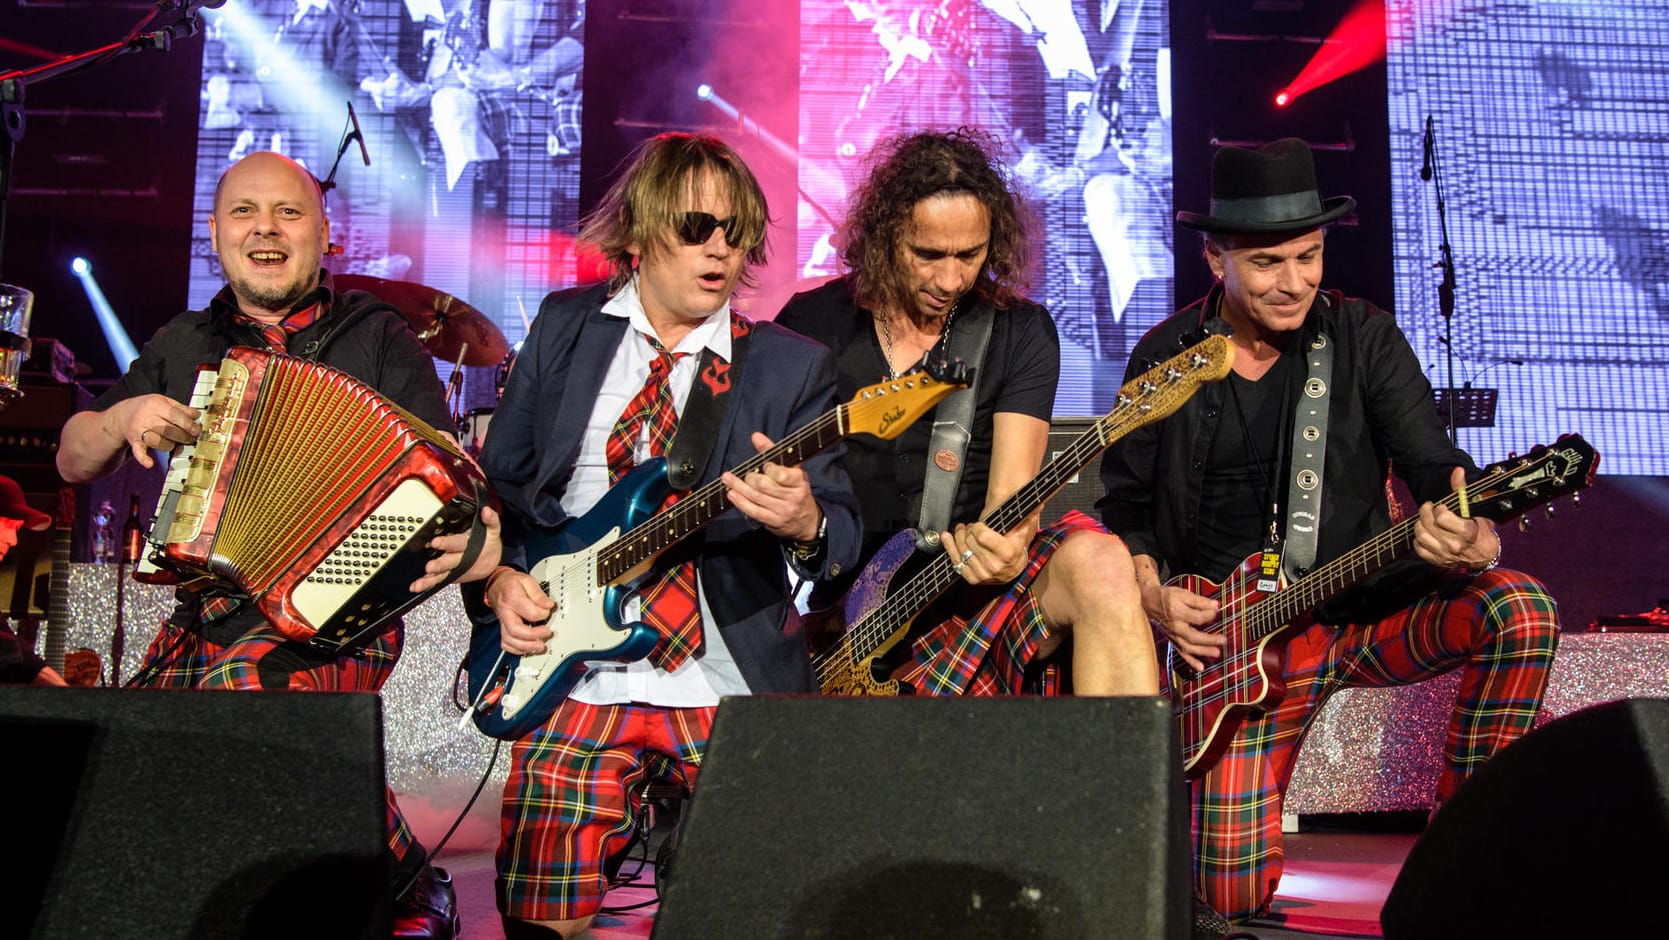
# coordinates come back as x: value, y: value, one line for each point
x: 993, y: 650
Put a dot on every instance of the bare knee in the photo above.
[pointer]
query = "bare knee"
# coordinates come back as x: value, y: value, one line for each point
x: 1089, y: 579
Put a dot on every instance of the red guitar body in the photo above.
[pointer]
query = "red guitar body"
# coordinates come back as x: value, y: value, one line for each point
x: 1212, y: 703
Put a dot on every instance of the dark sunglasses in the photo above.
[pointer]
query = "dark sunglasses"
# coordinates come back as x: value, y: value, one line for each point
x: 696, y: 227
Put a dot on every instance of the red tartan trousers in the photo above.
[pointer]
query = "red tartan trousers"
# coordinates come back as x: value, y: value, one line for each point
x: 1499, y: 628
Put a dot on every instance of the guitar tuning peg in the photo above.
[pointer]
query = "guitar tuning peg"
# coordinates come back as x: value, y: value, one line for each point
x: 1523, y: 523
x: 1549, y: 510
x: 1576, y: 500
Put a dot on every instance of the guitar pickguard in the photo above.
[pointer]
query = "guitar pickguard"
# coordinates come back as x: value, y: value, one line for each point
x: 581, y: 624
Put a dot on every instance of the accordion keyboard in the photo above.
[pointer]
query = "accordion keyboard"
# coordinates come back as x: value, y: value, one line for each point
x: 365, y: 551
x: 311, y: 494
x: 183, y: 491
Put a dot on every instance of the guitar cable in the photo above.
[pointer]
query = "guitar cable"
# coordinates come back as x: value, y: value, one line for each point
x: 492, y: 761
x: 643, y: 828
x: 155, y: 666
x: 430, y: 854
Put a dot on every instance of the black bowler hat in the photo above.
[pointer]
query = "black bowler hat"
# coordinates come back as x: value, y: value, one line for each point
x: 1270, y: 189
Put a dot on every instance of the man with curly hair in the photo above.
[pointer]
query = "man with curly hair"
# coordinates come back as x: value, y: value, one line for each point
x: 932, y: 236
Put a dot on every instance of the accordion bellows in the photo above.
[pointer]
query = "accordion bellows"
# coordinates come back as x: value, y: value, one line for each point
x: 312, y: 494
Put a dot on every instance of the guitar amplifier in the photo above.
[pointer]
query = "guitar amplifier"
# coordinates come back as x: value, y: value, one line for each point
x: 1083, y: 490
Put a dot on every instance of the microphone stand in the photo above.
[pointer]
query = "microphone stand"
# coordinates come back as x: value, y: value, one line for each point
x: 1446, y: 286
x: 13, y: 83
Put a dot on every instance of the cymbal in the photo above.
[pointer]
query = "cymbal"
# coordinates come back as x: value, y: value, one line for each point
x: 443, y: 322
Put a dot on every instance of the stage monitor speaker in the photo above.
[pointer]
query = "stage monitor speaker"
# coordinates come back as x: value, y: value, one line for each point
x: 1083, y: 490
x: 151, y: 813
x: 925, y: 818
x: 1562, y: 834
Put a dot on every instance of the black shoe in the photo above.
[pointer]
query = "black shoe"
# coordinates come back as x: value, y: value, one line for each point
x: 1208, y: 924
x: 429, y: 911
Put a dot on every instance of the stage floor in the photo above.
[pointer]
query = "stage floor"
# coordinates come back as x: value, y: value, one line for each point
x: 1334, y: 885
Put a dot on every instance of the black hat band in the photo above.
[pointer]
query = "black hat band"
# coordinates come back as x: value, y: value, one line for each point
x: 1262, y: 210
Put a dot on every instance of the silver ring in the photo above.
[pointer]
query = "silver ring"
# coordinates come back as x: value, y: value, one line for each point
x: 958, y: 567
x: 142, y: 436
x: 967, y: 554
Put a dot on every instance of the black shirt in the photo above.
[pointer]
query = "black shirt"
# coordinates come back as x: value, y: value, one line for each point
x: 359, y: 334
x: 1244, y: 470
x: 1019, y: 375
x: 1381, y: 414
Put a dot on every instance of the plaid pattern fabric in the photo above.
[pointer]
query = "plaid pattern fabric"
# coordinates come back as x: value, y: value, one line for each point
x: 992, y: 651
x: 669, y: 604
x: 278, y: 334
x: 1500, y: 628
x: 568, y: 805
x: 652, y: 405
x: 261, y: 659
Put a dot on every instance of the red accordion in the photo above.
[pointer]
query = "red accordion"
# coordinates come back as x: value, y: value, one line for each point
x: 311, y: 494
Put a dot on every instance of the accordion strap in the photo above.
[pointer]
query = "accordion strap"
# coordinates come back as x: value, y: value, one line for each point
x: 477, y: 534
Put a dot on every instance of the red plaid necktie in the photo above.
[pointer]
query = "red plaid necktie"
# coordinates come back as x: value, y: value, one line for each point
x: 278, y: 334
x: 652, y: 404
x: 669, y: 602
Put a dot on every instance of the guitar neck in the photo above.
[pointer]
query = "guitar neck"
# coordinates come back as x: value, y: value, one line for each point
x: 1350, y: 569
x: 1154, y: 394
x: 902, y: 605
x: 57, y: 608
x: 704, y: 504
x: 1330, y: 580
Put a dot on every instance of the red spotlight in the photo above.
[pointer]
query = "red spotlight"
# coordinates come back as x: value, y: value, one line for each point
x: 1357, y: 42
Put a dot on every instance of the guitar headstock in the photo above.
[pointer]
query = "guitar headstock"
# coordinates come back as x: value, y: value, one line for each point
x: 949, y: 369
x: 1161, y: 390
x: 1547, y: 472
x: 64, y: 517
x: 885, y: 409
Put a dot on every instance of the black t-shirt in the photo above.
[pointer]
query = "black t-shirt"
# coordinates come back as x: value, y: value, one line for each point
x: 1244, y: 474
x: 359, y: 334
x: 1019, y: 375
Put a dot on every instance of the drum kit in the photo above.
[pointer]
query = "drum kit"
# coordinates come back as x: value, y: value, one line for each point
x: 451, y: 330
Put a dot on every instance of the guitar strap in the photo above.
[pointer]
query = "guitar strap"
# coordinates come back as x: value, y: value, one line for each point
x: 698, y: 426
x: 953, y: 420
x: 1309, y: 452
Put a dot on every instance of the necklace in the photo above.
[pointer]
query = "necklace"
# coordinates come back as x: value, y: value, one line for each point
x: 886, y: 338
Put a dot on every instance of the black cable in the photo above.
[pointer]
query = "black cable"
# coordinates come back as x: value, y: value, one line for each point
x: 645, y: 827
x: 429, y: 855
x: 156, y: 665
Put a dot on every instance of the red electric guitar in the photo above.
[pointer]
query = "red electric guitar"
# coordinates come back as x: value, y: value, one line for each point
x: 1212, y: 703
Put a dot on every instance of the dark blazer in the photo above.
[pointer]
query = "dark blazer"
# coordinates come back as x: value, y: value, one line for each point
x: 785, y: 382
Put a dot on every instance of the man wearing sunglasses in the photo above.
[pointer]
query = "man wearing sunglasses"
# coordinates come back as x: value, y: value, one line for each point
x: 654, y: 363
x: 935, y: 243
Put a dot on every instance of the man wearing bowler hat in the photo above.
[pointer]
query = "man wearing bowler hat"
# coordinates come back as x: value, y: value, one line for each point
x: 1284, y: 465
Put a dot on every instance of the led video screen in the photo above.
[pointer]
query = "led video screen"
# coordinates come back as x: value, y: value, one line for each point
x: 1552, y: 150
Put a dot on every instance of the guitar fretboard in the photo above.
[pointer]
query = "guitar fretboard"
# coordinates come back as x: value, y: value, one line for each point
x: 705, y: 503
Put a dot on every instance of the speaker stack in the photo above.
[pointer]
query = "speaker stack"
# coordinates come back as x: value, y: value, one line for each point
x: 931, y: 818
x: 1565, y: 833
x: 152, y: 813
